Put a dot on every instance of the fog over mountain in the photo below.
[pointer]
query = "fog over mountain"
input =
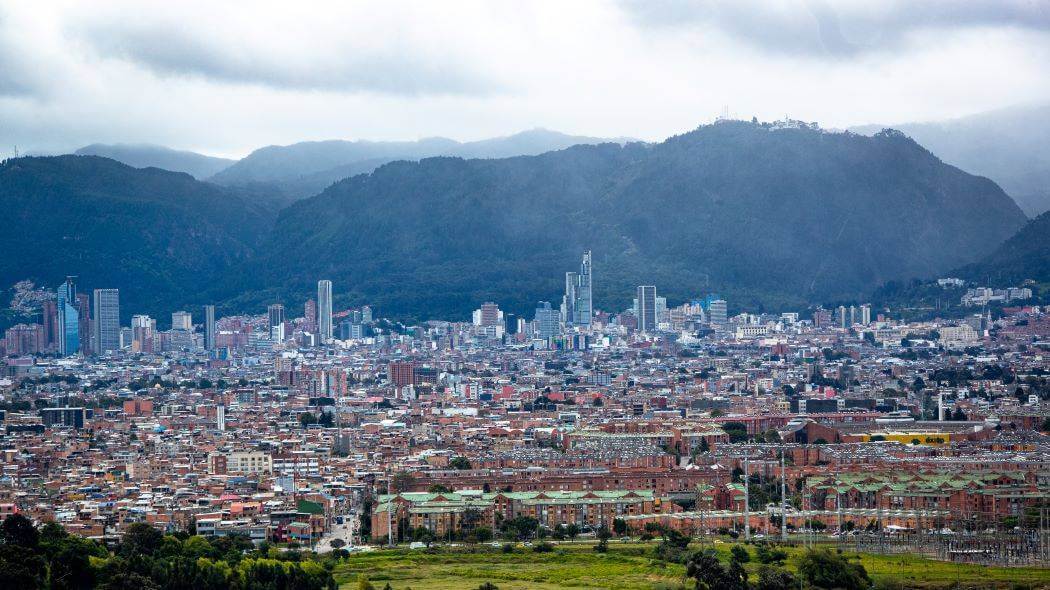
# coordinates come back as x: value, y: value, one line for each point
x: 768, y: 214
x: 1011, y: 146
x: 303, y: 169
x: 143, y: 155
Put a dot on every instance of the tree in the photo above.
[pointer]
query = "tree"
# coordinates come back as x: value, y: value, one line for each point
x: 402, y: 482
x: 603, y: 535
x: 619, y: 527
x: 21, y: 568
x: 140, y: 539
x: 823, y: 568
x: 769, y: 555
x: 459, y: 463
x: 739, y: 553
x: 710, y: 574
x: 306, y: 419
x: 573, y: 531
x: 775, y: 578
x: 488, y: 586
x: 19, y: 530
x: 438, y: 489
x: 423, y: 535
x: 337, y: 543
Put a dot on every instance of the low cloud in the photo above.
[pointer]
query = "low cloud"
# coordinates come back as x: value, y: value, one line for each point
x: 838, y: 29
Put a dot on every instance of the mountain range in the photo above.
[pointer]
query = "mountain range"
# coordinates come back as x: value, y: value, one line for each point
x: 768, y: 215
x: 144, y: 155
x: 287, y: 173
x: 1011, y: 146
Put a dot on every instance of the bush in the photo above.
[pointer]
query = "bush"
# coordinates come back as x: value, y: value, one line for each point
x: 508, y: 548
x: 543, y: 547
x: 739, y: 553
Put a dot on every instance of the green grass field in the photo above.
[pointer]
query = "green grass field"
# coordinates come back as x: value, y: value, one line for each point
x: 631, y: 567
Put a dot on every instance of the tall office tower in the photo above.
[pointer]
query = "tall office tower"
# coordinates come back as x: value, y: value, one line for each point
x: 718, y: 312
x: 209, y: 327
x: 107, y: 320
x: 366, y: 314
x: 865, y: 314
x: 68, y: 319
x: 511, y: 320
x: 324, y: 311
x: 310, y: 316
x: 220, y: 418
x: 489, y: 314
x: 49, y: 318
x: 276, y: 314
x: 84, y: 324
x: 182, y: 320
x: 546, y: 320
x: 842, y: 316
x: 852, y: 315
x: 584, y: 307
x: 646, y: 310
x: 142, y: 327
x: 576, y: 304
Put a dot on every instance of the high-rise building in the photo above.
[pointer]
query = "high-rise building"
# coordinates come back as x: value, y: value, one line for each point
x: 865, y: 314
x: 843, y: 318
x: 324, y: 311
x: 366, y: 314
x: 488, y: 315
x: 718, y: 312
x: 107, y: 320
x: 182, y: 320
x: 310, y: 316
x: 546, y: 320
x: 142, y: 329
x: 24, y: 339
x: 646, y: 308
x: 275, y: 313
x: 68, y: 342
x: 49, y: 319
x: 576, y: 304
x: 84, y: 328
x: 209, y: 327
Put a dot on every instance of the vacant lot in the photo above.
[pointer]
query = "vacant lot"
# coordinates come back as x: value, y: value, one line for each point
x: 631, y: 566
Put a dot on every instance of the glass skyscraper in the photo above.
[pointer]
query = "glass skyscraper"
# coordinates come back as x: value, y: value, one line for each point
x: 68, y: 319
x: 576, y: 304
x: 324, y: 311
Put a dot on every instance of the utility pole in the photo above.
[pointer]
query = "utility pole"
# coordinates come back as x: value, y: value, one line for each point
x: 783, y: 498
x: 747, y: 501
x: 389, y: 511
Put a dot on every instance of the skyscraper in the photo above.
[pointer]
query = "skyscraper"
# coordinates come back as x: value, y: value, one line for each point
x: 310, y: 316
x: 107, y: 320
x: 209, y: 327
x: 84, y: 328
x: 865, y: 314
x: 324, y: 311
x: 646, y: 311
x: 546, y: 320
x: 718, y: 312
x: 182, y: 320
x: 68, y: 331
x: 276, y: 314
x: 576, y: 304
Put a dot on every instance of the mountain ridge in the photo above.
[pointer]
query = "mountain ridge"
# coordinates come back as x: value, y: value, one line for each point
x: 146, y: 155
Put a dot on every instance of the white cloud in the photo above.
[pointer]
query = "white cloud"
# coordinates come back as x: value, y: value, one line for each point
x: 225, y: 78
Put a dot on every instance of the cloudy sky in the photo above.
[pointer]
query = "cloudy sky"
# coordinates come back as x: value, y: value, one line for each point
x: 225, y: 78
